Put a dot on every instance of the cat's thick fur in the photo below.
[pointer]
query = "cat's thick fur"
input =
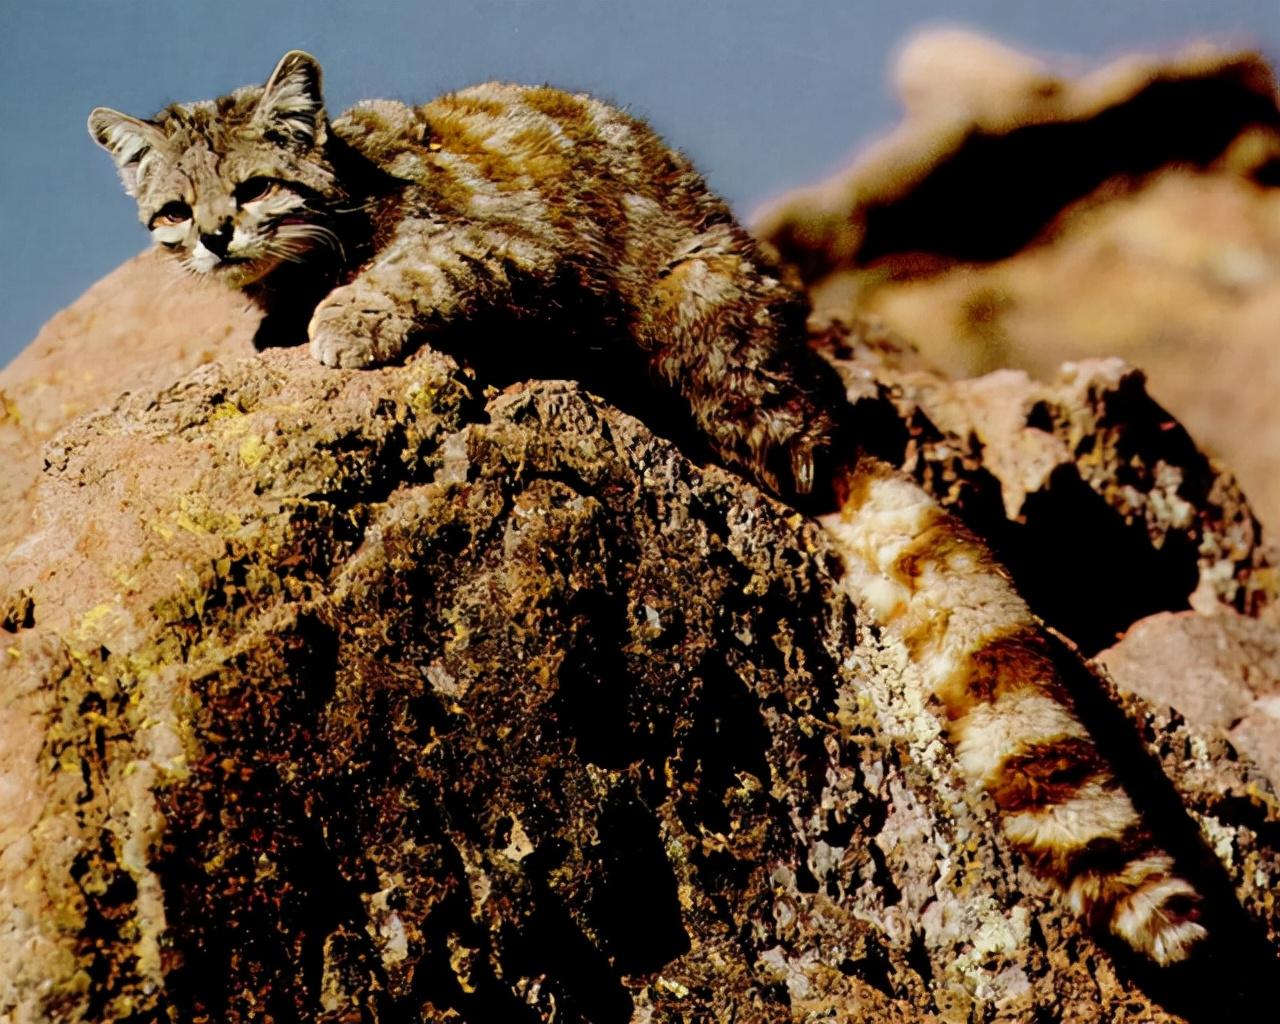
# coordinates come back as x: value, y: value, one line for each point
x: 529, y: 200
x: 392, y: 223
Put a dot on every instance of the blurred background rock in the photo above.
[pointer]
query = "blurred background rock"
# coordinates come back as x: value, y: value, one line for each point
x: 1020, y: 217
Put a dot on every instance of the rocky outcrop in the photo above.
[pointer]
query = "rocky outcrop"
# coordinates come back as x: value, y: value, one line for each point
x: 1094, y: 496
x: 378, y: 696
x: 1021, y: 216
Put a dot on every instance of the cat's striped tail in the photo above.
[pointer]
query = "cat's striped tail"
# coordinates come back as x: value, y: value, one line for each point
x: 1009, y: 714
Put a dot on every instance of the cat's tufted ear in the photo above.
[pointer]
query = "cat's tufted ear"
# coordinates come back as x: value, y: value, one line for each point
x: 127, y: 139
x: 291, y: 103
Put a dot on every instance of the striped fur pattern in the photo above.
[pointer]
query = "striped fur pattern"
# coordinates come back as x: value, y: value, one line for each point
x: 399, y: 221
x: 1009, y: 715
x: 527, y: 199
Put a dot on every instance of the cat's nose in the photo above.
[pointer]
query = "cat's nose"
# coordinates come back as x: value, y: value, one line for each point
x: 217, y: 242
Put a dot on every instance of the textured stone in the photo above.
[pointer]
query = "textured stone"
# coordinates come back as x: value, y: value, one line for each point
x: 94, y: 349
x: 1222, y: 673
x: 379, y: 696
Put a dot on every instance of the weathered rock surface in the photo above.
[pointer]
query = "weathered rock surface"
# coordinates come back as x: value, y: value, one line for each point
x: 338, y: 696
x: 1021, y: 216
x: 1094, y: 496
x: 1222, y: 673
x: 93, y: 350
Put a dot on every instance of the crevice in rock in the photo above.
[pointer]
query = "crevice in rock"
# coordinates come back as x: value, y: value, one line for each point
x: 1071, y: 540
x: 549, y: 943
x: 635, y: 907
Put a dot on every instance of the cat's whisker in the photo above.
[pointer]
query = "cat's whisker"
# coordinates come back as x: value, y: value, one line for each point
x: 173, y: 278
x: 316, y: 234
x: 358, y: 208
x: 289, y: 255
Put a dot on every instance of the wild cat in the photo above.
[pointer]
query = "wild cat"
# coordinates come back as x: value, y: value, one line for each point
x: 391, y: 223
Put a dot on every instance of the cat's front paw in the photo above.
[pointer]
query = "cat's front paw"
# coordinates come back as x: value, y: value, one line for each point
x: 356, y: 327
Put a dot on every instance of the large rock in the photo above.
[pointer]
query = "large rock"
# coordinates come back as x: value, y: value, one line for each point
x: 351, y: 696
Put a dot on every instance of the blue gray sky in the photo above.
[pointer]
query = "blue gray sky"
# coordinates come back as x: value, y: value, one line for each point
x: 764, y: 94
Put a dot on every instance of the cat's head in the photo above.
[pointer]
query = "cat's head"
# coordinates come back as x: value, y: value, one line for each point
x: 238, y: 185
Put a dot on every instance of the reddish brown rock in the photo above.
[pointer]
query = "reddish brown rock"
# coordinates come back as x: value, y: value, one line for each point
x: 369, y: 695
x: 1222, y: 673
x: 139, y: 327
x: 1096, y: 498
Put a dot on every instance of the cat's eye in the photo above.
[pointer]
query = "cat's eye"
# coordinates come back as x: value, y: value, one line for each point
x: 253, y: 190
x: 171, y: 214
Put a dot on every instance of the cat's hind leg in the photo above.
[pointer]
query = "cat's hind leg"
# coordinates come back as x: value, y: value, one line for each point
x: 726, y: 334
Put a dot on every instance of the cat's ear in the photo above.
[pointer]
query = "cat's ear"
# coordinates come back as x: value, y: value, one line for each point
x: 291, y: 102
x: 127, y: 139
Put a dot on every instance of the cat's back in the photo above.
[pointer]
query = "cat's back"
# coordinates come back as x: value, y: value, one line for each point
x: 504, y: 138
x: 542, y: 130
